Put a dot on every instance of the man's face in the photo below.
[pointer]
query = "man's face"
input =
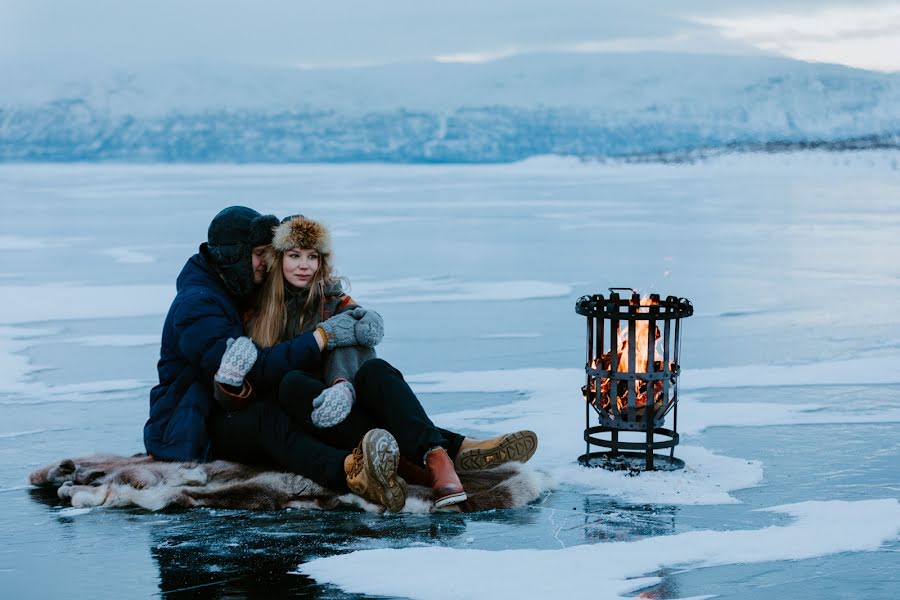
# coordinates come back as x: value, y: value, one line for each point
x: 259, y: 264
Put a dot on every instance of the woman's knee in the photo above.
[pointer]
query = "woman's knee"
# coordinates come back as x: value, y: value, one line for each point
x: 374, y: 367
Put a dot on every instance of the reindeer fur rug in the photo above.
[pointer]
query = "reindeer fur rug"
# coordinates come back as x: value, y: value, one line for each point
x: 118, y: 481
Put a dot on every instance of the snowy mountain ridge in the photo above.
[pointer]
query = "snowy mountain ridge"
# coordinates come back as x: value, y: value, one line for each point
x: 590, y: 106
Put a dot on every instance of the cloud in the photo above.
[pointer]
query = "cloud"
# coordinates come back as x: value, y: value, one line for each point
x: 284, y: 33
x: 700, y: 41
x: 867, y: 37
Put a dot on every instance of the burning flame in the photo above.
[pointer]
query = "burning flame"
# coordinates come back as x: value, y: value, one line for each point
x: 641, y: 359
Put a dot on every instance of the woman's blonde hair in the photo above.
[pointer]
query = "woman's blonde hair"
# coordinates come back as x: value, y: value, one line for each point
x: 268, y: 323
x: 267, y: 326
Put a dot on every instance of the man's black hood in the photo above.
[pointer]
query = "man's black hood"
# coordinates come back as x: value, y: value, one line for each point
x: 232, y: 235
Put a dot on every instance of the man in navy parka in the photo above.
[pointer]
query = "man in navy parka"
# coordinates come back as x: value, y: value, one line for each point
x: 214, y: 288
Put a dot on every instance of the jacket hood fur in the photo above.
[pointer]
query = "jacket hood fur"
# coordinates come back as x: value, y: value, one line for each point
x: 304, y: 233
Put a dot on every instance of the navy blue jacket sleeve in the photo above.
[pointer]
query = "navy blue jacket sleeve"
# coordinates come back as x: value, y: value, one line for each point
x: 272, y: 364
x: 202, y: 328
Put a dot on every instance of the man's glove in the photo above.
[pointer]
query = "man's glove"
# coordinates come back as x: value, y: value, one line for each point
x: 333, y: 405
x: 237, y: 361
x: 340, y: 330
x: 370, y: 327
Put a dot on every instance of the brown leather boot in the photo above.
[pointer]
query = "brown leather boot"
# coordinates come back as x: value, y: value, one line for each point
x: 372, y: 470
x: 476, y: 455
x: 414, y: 474
x: 445, y: 485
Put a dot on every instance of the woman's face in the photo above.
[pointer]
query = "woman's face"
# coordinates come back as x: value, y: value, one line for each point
x: 299, y: 266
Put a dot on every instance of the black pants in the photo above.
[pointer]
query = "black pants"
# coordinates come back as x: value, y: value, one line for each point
x: 279, y: 431
x: 263, y: 434
x: 383, y: 399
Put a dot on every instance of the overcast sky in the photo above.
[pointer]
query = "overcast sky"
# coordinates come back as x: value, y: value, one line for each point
x: 131, y: 33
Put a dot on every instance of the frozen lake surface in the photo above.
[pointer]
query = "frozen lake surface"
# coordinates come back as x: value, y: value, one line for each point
x: 790, y: 394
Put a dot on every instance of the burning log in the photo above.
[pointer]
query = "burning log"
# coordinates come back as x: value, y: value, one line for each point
x: 640, y: 399
x: 641, y: 362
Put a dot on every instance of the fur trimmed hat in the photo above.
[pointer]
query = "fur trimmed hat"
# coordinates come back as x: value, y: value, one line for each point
x: 300, y: 232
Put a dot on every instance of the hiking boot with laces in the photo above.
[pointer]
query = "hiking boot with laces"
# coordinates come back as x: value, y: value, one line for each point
x: 372, y: 470
x: 487, y: 454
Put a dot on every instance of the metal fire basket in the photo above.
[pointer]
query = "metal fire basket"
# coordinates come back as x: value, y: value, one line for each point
x: 632, y: 373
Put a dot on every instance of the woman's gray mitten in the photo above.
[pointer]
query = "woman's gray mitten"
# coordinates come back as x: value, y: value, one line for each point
x: 369, y: 328
x: 340, y: 330
x: 240, y: 354
x: 333, y: 405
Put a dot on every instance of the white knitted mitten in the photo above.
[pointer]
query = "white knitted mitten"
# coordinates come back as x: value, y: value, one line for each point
x: 237, y: 361
x: 333, y: 405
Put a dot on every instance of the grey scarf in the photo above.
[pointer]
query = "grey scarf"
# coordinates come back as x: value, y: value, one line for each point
x: 295, y: 300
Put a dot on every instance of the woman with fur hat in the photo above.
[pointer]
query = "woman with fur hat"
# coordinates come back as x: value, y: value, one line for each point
x: 301, y: 292
x: 357, y: 392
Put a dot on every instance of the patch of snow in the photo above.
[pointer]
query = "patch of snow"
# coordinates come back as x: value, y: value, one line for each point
x: 98, y: 387
x: 552, y: 407
x: 24, y: 304
x: 117, y: 341
x: 819, y: 529
x: 18, y: 242
x: 695, y: 415
x: 15, y: 370
x: 14, y: 366
x: 509, y: 336
x: 389, y: 220
x: 870, y: 370
x: 36, y: 393
x: 74, y: 512
x: 128, y: 256
x: 707, y: 478
x: 404, y: 291
x: 17, y: 434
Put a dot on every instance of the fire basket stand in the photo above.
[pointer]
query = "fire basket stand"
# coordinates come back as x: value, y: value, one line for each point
x: 632, y: 383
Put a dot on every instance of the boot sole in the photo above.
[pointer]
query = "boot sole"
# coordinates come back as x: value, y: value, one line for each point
x: 451, y: 499
x: 383, y: 459
x: 519, y: 446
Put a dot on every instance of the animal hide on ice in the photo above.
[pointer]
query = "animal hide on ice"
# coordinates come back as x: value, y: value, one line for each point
x: 155, y: 485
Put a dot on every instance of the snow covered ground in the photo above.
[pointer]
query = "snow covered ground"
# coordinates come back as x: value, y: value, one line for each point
x: 790, y: 400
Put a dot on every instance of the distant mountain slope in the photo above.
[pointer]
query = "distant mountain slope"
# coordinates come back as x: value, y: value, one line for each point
x: 601, y: 105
